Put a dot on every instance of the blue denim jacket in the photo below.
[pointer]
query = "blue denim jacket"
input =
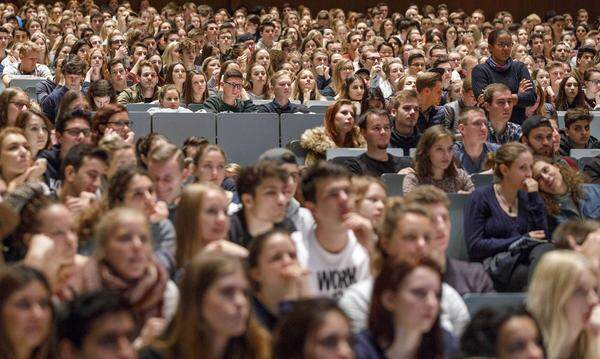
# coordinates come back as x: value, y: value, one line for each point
x: 589, y: 207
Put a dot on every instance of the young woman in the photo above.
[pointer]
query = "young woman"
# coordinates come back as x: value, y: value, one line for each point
x: 434, y: 164
x: 503, y: 333
x: 305, y: 88
x: 169, y: 100
x: 393, y: 71
x: 369, y: 194
x: 500, y: 67
x: 404, y: 314
x: 37, y: 128
x: 570, y: 94
x: 175, y: 74
x: 505, y: 223
x: 341, y: 71
x: 275, y: 274
x: 354, y: 90
x: 16, y: 164
x: 202, y: 223
x: 257, y: 82
x: 55, y: 252
x: 13, y: 101
x: 26, y: 314
x: 123, y: 262
x: 211, y: 66
x: 339, y: 130
x: 172, y: 54
x: 263, y: 58
x: 314, y: 328
x: 564, y: 193
x: 98, y: 66
x: 563, y: 297
x: 112, y: 118
x: 195, y: 87
x: 209, y: 164
x: 213, y: 318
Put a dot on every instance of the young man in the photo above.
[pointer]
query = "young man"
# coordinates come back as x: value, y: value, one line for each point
x: 230, y: 100
x: 332, y: 248
x: 73, y: 71
x: 166, y: 166
x: 117, y: 75
x: 404, y: 110
x: 463, y: 276
x: 576, y: 133
x: 429, y: 89
x: 416, y: 62
x: 73, y: 128
x: 498, y: 103
x: 376, y: 129
x: 472, y: 151
x: 146, y: 90
x: 261, y: 189
x: 286, y: 160
x: 267, y: 36
x: 98, y: 325
x: 584, y: 61
x: 83, y: 169
x: 282, y: 89
x: 455, y: 109
x: 556, y: 71
x: 538, y: 135
x: 27, y: 65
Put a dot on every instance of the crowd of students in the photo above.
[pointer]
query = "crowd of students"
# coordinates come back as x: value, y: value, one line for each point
x: 122, y: 244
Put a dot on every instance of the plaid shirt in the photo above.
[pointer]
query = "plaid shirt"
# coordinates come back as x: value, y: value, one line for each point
x: 512, y: 133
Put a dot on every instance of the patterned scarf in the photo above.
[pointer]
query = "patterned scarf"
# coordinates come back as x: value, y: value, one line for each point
x: 497, y: 67
x: 145, y: 294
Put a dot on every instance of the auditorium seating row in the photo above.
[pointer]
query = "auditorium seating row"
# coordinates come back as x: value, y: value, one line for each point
x: 243, y: 136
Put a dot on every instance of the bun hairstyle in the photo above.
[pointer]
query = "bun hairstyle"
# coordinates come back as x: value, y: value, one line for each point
x: 506, y: 155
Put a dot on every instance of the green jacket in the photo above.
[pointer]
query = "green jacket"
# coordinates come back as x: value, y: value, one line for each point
x: 215, y: 104
x: 134, y: 94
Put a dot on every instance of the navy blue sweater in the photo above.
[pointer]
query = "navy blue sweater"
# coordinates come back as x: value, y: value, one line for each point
x: 489, y: 230
x: 484, y: 75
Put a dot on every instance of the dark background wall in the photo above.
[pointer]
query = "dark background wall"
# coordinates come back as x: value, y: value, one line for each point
x: 519, y: 8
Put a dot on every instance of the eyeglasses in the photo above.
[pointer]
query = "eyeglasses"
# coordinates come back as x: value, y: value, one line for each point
x: 235, y: 86
x: 120, y: 124
x: 74, y: 132
x: 505, y: 44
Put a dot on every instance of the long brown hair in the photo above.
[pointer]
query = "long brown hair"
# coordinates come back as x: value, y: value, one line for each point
x: 352, y: 138
x: 13, y: 279
x: 381, y: 320
x: 189, y: 335
x: 422, y: 159
x: 189, y: 243
x: 573, y: 180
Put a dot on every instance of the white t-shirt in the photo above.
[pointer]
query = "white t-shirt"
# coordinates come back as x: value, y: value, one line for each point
x: 454, y: 315
x: 331, y: 273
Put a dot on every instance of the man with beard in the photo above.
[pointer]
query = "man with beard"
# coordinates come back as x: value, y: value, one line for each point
x: 375, y: 127
x: 404, y: 110
x: 538, y: 135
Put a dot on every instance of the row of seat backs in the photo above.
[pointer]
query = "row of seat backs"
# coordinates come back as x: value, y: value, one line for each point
x: 243, y: 136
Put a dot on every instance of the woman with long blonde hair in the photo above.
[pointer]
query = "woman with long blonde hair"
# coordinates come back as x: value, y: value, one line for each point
x: 563, y: 295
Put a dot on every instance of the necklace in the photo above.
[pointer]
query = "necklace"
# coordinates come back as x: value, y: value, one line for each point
x: 500, y: 196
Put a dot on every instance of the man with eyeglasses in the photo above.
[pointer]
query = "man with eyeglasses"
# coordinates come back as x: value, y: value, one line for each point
x: 416, y: 62
x: 28, y: 64
x: 71, y: 129
x: 146, y: 90
x: 233, y: 99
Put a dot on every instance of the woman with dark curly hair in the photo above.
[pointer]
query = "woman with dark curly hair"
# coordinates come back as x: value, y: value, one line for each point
x: 565, y: 193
